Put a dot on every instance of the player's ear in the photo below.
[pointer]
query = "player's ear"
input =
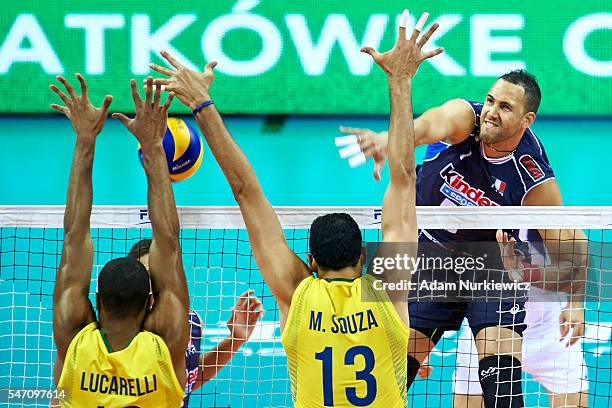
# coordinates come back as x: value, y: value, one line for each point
x: 528, y: 119
x: 150, y: 301
x: 312, y: 264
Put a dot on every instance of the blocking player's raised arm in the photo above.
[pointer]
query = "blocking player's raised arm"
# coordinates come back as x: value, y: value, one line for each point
x: 72, y: 309
x: 165, y: 265
x: 399, y: 226
x: 400, y: 64
x: 280, y: 267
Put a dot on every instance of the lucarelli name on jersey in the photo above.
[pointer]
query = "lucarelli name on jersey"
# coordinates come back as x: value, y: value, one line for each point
x: 460, y: 191
x: 115, y: 385
x: 353, y: 323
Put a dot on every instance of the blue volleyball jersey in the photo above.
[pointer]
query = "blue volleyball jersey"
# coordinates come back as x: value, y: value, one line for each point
x: 192, y: 355
x: 461, y: 175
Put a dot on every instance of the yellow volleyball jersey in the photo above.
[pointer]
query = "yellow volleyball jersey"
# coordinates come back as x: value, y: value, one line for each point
x: 140, y: 375
x: 342, y: 351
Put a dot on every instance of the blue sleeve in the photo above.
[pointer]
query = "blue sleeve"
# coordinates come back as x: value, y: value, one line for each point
x: 434, y: 149
x: 534, y: 169
x: 477, y: 108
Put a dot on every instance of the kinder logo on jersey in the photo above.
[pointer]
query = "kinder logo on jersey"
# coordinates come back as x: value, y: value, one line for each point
x: 532, y: 167
x: 460, y: 191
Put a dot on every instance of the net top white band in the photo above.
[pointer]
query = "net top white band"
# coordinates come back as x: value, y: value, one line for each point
x: 302, y: 217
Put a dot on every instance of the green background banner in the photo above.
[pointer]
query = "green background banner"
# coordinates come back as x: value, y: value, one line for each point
x: 302, y: 56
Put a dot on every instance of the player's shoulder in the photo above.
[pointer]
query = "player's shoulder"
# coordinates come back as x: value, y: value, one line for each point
x: 476, y: 108
x: 86, y: 334
x: 306, y: 283
x: 531, y: 144
x: 314, y: 288
x: 302, y: 290
x: 531, y: 157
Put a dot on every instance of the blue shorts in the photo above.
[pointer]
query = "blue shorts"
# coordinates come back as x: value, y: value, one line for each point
x: 445, y: 309
x: 449, y: 315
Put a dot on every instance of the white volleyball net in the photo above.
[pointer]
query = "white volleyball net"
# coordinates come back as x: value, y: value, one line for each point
x: 219, y: 266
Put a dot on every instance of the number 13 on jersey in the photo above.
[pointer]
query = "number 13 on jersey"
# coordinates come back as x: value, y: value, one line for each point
x: 350, y: 359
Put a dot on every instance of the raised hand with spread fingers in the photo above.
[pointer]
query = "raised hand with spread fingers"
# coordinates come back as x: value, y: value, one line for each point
x: 190, y: 87
x: 400, y: 64
x: 149, y: 125
x: 86, y: 119
x: 403, y: 60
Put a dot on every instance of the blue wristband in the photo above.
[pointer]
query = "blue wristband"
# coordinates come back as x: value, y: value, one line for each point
x: 201, y: 106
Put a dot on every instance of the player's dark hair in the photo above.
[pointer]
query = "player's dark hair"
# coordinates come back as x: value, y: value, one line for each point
x: 529, y: 83
x: 335, y: 241
x: 123, y: 287
x: 140, y: 248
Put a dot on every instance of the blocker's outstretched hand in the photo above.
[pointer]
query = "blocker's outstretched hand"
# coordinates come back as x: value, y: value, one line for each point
x: 190, y: 87
x: 403, y: 60
x: 86, y: 119
x: 149, y: 125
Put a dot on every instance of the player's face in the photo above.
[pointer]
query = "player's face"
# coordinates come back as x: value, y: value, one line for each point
x: 503, y: 112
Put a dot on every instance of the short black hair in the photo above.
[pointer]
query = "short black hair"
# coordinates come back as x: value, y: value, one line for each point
x: 335, y: 241
x: 123, y: 287
x: 140, y: 248
x: 529, y: 83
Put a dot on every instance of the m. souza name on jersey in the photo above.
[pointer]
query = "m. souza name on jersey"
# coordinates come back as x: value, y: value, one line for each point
x: 353, y: 323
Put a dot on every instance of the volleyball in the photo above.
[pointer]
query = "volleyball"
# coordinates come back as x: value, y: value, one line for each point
x: 183, y: 147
